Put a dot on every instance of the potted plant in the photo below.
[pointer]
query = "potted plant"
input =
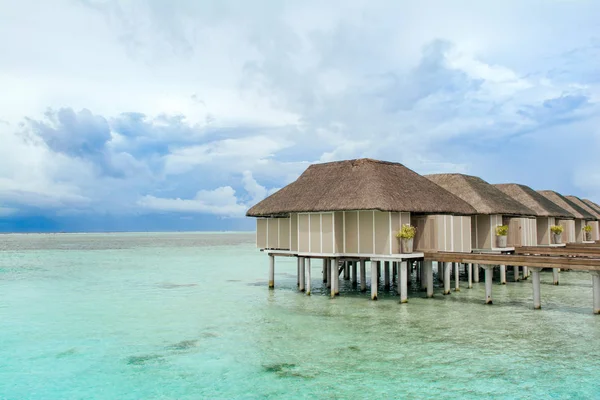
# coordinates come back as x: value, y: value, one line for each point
x: 588, y: 233
x: 502, y: 233
x: 406, y: 235
x: 557, y: 231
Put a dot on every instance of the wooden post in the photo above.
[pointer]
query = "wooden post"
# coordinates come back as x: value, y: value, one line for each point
x: 329, y: 272
x: 440, y: 270
x: 525, y: 272
x: 325, y: 267
x: 354, y: 277
x: 456, y: 277
x: 555, y: 276
x: 386, y: 274
x: 423, y: 275
x: 447, y: 269
x: 429, y: 273
x: 517, y: 278
x: 476, y: 273
x: 470, y: 276
x: 596, y: 289
x: 308, y: 276
x: 363, y: 276
x: 334, y: 278
x: 298, y: 271
x: 502, y: 275
x: 346, y: 270
x: 489, y: 275
x: 537, y: 297
x: 403, y: 282
x: 374, y: 280
x: 302, y: 270
x: 394, y: 271
x: 271, y: 271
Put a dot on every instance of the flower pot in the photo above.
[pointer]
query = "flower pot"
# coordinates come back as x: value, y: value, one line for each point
x: 406, y: 246
x: 501, y: 243
x: 557, y: 238
x: 588, y: 236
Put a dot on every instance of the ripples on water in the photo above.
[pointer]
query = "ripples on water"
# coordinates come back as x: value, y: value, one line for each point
x: 188, y: 316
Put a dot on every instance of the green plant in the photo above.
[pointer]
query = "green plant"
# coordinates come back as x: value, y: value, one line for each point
x: 587, y: 228
x: 407, y: 232
x: 502, y: 230
x: 557, y: 229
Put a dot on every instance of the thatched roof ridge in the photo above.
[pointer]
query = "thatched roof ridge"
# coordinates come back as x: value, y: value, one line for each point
x: 593, y: 205
x: 485, y: 198
x: 362, y: 184
x: 585, y: 206
x: 533, y: 200
x: 567, y: 204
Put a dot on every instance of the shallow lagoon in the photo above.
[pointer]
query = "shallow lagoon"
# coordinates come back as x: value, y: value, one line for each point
x: 188, y: 316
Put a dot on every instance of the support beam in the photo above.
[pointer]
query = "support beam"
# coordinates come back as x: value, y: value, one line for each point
x: 517, y: 277
x: 308, y: 277
x: 447, y: 267
x: 333, y: 275
x: 325, y: 267
x: 271, y: 271
x: 470, y: 276
x: 440, y: 270
x: 386, y: 274
x: 354, y: 277
x: 302, y: 270
x: 429, y: 273
x: 363, y: 276
x: 297, y: 271
x: 537, y: 297
x: 525, y: 272
x: 596, y: 289
x: 423, y: 275
x: 555, y: 276
x: 403, y: 282
x: 476, y: 273
x: 502, y: 274
x: 336, y: 277
x: 489, y: 275
x: 329, y: 273
x: 374, y: 279
x: 346, y: 270
x: 456, y: 277
x: 394, y: 271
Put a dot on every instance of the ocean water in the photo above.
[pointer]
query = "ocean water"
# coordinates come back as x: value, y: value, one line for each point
x: 189, y: 316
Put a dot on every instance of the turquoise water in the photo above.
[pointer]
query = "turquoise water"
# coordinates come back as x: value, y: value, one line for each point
x: 189, y: 316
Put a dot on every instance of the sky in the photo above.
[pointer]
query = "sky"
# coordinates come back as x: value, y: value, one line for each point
x: 154, y: 115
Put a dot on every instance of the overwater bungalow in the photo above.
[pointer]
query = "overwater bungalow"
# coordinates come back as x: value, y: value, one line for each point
x: 493, y: 208
x: 573, y: 228
x: 352, y: 210
x: 546, y: 211
x: 594, y: 233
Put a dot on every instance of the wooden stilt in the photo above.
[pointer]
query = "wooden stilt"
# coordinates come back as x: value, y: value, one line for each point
x: 596, y: 290
x: 537, y: 297
x: 502, y: 275
x: 302, y: 270
x: 363, y: 276
x: 517, y: 273
x: 298, y: 271
x: 325, y: 267
x: 308, y: 277
x: 469, y: 276
x: 354, y: 277
x: 374, y: 279
x: 489, y: 275
x: 423, y: 275
x: 271, y: 271
x: 336, y: 279
x: 394, y: 271
x: 329, y: 269
x: 403, y: 282
x: 429, y: 273
x: 333, y: 275
x: 386, y: 274
x: 476, y: 273
x: 456, y: 277
x: 346, y: 270
x: 440, y: 270
x: 525, y: 272
x: 447, y: 269
x: 555, y: 276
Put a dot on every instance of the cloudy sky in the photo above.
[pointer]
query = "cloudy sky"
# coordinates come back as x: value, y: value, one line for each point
x: 168, y: 115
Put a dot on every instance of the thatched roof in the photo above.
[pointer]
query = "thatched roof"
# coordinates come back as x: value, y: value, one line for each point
x: 485, y: 198
x: 362, y: 184
x: 533, y: 200
x: 590, y: 203
x: 567, y: 204
x: 585, y: 206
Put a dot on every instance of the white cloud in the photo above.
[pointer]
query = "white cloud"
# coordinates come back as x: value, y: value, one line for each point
x: 221, y: 201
